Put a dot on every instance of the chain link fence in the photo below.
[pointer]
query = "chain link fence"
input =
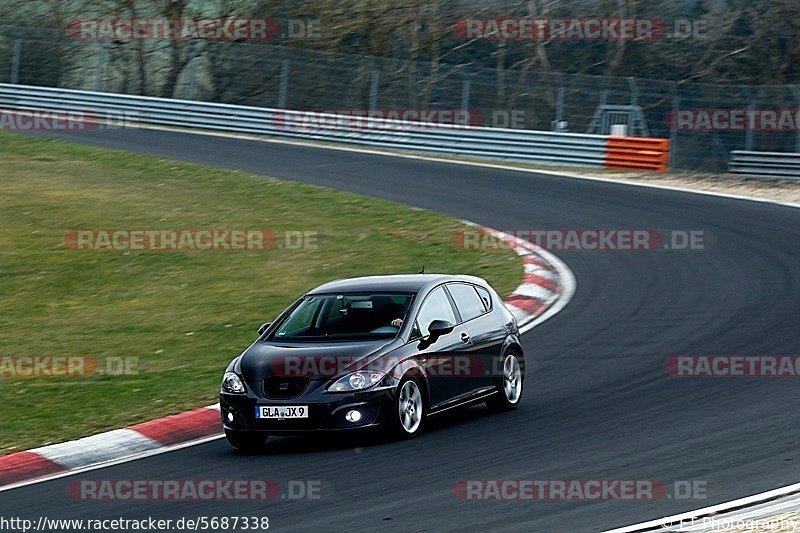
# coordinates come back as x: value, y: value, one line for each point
x: 294, y: 78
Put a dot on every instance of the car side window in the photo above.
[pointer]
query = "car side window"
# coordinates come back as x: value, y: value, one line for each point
x: 435, y: 307
x: 486, y: 298
x: 468, y: 302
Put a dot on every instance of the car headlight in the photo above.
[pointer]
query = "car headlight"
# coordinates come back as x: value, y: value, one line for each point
x: 232, y: 383
x: 356, y: 381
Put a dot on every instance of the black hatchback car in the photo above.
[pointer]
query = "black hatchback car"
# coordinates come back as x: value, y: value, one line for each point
x: 374, y: 352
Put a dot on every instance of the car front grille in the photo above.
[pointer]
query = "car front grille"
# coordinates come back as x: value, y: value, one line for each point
x: 284, y: 388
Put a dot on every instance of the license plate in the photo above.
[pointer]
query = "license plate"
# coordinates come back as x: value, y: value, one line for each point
x: 280, y: 412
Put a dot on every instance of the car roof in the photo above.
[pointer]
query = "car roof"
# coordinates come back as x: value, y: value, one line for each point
x: 394, y: 282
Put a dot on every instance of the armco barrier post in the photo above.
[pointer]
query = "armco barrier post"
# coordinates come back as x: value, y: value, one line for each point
x: 373, y: 89
x: 284, y: 84
x: 100, y: 65
x: 465, y: 88
x: 191, y: 70
x: 15, y: 59
x: 673, y: 131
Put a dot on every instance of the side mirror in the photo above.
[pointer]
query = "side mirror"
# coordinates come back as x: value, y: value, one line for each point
x: 437, y: 328
x: 263, y: 328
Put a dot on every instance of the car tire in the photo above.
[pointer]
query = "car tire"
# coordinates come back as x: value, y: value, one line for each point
x: 510, y: 385
x: 408, y: 413
x: 246, y: 441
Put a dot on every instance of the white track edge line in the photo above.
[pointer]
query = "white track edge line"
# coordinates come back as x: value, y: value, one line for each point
x: 706, y: 511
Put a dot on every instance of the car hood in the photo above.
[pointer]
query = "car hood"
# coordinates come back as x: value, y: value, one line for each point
x: 312, y: 360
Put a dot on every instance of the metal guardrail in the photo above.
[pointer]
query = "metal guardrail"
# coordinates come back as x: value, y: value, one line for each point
x: 538, y: 147
x: 765, y: 164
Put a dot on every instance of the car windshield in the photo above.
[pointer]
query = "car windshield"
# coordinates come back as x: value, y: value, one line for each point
x: 361, y: 316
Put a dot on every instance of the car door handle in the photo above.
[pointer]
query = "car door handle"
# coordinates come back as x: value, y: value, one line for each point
x: 464, y: 338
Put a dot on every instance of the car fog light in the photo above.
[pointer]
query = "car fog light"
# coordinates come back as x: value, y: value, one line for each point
x: 353, y: 416
x: 230, y: 416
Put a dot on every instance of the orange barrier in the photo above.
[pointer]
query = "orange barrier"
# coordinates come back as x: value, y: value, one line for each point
x: 637, y: 153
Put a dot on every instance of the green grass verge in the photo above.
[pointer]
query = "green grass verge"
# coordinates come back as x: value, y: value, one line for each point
x: 183, y: 314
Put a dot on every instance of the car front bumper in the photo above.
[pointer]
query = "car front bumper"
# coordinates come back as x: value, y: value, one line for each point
x: 326, y: 411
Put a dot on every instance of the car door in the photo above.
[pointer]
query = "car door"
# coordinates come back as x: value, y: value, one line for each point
x: 443, y: 360
x: 485, y: 330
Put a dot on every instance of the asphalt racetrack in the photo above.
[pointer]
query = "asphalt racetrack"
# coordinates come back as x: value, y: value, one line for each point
x: 598, y: 402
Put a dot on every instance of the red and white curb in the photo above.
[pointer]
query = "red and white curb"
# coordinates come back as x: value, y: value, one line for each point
x: 547, y: 287
x: 141, y: 440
